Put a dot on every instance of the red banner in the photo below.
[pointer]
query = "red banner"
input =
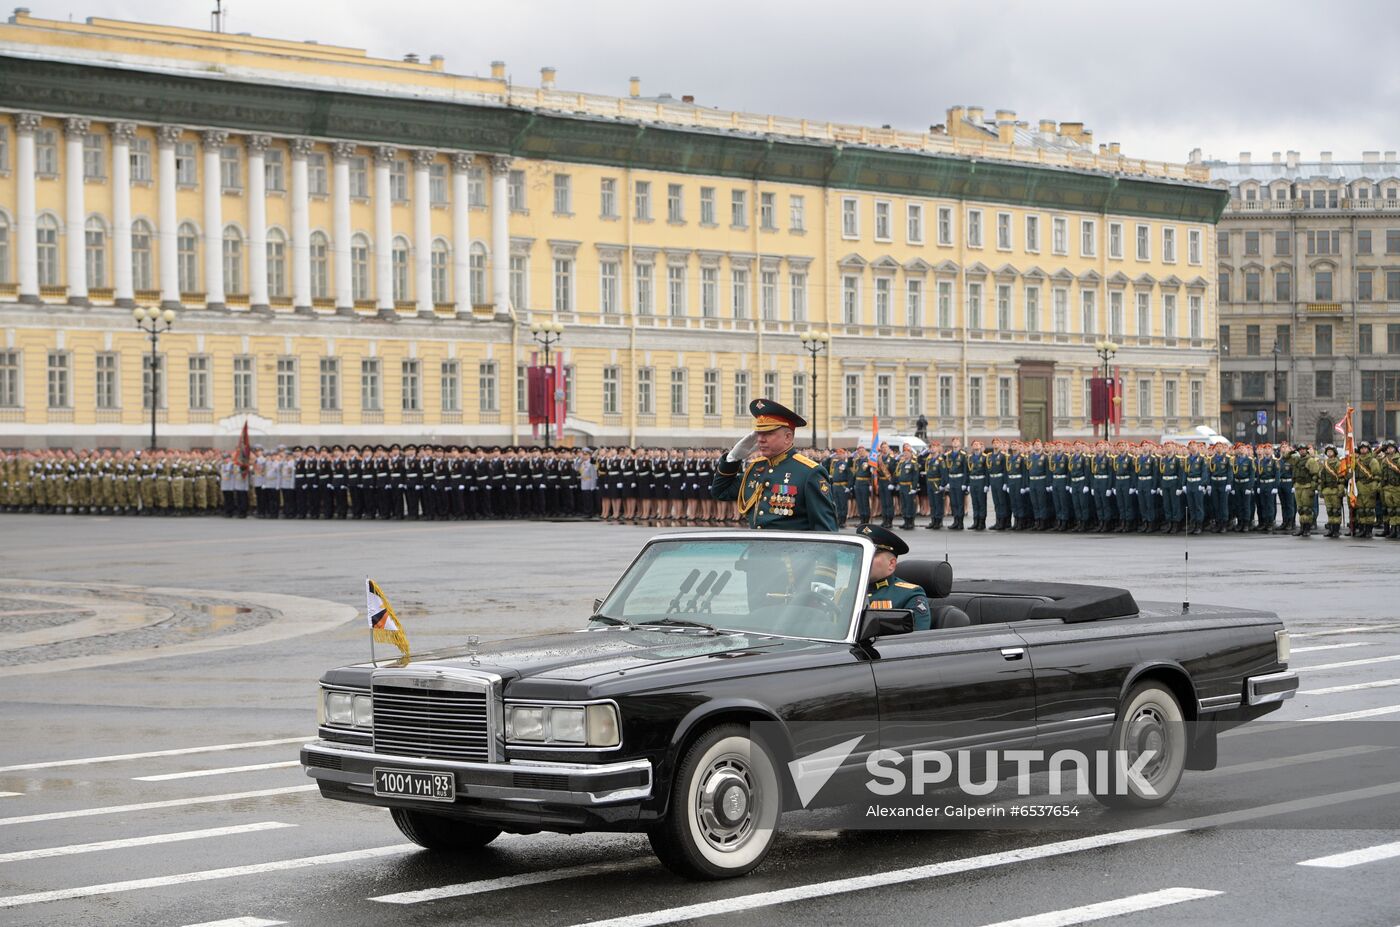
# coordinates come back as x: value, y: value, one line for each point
x: 1105, y: 400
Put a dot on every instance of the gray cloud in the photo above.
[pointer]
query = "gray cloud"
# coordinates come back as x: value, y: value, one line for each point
x: 1225, y: 76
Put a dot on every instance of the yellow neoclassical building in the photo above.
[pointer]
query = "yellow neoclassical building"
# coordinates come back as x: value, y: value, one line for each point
x: 357, y: 248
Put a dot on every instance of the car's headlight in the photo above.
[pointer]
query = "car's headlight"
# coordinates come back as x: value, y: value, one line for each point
x: 346, y: 709
x: 593, y: 725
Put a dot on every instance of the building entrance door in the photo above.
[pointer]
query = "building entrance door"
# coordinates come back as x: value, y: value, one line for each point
x: 1037, y: 411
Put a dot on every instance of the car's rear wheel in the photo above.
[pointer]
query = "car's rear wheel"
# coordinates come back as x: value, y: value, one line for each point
x: 725, y: 806
x: 440, y: 832
x: 1150, y: 737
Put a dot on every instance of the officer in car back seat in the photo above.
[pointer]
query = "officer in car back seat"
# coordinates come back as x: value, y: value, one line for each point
x: 887, y: 590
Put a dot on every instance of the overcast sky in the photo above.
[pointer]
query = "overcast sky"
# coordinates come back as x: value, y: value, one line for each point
x: 1161, y: 78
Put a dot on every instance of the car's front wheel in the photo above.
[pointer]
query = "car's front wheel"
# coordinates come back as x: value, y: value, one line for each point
x: 1149, y: 738
x: 725, y: 806
x: 440, y: 832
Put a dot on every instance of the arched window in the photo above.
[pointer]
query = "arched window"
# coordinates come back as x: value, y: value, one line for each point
x: 4, y: 248
x: 399, y: 255
x: 359, y: 267
x: 440, y: 258
x: 477, y: 259
x: 141, y: 276
x: 276, y: 263
x: 46, y: 233
x: 320, y: 266
x: 187, y: 251
x: 233, y: 260
x: 95, y: 241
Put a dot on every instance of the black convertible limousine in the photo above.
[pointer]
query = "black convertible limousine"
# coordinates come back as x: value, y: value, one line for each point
x: 683, y: 706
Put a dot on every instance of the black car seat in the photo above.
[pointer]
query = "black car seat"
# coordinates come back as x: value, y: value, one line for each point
x: 936, y: 578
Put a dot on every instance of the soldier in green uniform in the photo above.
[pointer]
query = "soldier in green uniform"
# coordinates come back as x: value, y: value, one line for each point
x: 838, y: 468
x: 1304, y: 468
x: 1331, y: 478
x: 906, y: 478
x: 778, y: 490
x: 935, y: 469
x: 1368, y: 488
x: 1390, y: 489
x: 862, y: 472
x: 886, y: 590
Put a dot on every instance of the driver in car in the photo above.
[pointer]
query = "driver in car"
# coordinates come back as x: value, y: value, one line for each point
x: 887, y: 590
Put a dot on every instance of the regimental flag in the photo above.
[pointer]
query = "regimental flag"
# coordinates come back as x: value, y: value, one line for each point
x: 1349, y: 456
x: 243, y: 457
x: 874, y: 455
x: 384, y: 624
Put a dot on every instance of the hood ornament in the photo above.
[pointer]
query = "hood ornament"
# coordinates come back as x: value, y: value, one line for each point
x: 473, y: 648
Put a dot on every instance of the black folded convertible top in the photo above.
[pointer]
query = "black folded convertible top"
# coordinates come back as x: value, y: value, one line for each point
x: 1069, y: 601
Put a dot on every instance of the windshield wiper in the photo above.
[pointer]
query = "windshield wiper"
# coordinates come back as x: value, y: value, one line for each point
x: 681, y: 623
x: 608, y: 619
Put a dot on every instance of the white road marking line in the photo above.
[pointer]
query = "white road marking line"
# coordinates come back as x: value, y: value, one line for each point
x: 1356, y: 715
x: 10, y: 794
x: 1104, y: 909
x: 1348, y: 663
x: 1352, y: 687
x: 151, y: 805
x: 207, y: 875
x: 1355, y: 857
x: 49, y: 852
x: 977, y: 863
x: 514, y: 881
x: 1295, y: 760
x: 183, y: 751
x: 1356, y: 630
x: 195, y: 774
x: 1286, y: 725
x: 1331, y: 647
x: 240, y: 922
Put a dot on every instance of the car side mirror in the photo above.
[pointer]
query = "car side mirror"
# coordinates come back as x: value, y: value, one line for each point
x: 597, y: 604
x: 883, y: 622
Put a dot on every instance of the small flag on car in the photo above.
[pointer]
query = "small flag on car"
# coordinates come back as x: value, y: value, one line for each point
x: 385, y: 627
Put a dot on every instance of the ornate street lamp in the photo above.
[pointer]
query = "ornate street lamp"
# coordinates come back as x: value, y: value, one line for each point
x: 154, y: 322
x: 1106, y: 350
x: 548, y: 334
x: 815, y: 342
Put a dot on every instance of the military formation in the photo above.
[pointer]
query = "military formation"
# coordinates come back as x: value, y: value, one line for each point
x: 1058, y: 486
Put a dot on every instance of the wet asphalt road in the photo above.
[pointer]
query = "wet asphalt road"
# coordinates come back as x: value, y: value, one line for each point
x: 250, y: 843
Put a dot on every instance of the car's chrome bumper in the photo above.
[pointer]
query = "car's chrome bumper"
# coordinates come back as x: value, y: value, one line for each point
x: 1274, y: 687
x: 573, y: 784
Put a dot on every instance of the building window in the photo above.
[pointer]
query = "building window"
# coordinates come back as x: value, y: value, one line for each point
x: 707, y: 206
x: 850, y: 299
x: 612, y: 390
x: 1283, y: 244
x: 767, y: 212
x: 974, y: 306
x: 645, y: 402
x: 914, y: 302
x: 1330, y: 242
x: 359, y: 178
x: 1364, y: 340
x: 1089, y: 311
x: 797, y: 284
x: 1392, y: 241
x: 1251, y: 286
x: 1004, y: 307
x: 1251, y: 244
x: 1059, y: 235
x: 451, y: 382
x: 438, y: 259
x: 741, y: 394
x: 609, y: 277
x: 850, y: 218
x: 1144, y: 398
x: 1283, y: 339
x: 9, y: 379
x: 317, y: 181
x: 675, y: 289
x: 1004, y: 403
x: 945, y: 396
x: 244, y: 398
x: 274, y: 176
x: 1363, y: 285
x: 1169, y: 389
x: 945, y: 304
x: 1004, y: 231
x: 974, y: 228
x: 799, y: 393
x: 739, y: 290
x: 563, y: 195
x: 233, y: 260
x: 1033, y: 234
x: 277, y: 263
x: 710, y: 391
x: 851, y: 394
x: 1363, y: 241
x: 94, y: 160
x: 738, y: 209
x: 1198, y: 399
x: 678, y: 397
x: 398, y: 264
x: 515, y: 192
x: 1322, y: 339
x: 607, y: 198
x: 1222, y: 287
x: 230, y: 168
x: 974, y: 397
x: 945, y: 225
x: 359, y: 268
x: 563, y: 285
x: 914, y: 223
x: 1392, y: 339
x: 487, y: 399
x: 1169, y: 245
x: 1197, y: 322
x: 187, y: 256
x: 108, y: 396
x: 645, y: 288
x: 186, y: 165
x: 641, y: 200
x: 1392, y: 285
x: 60, y: 392
x: 95, y: 249
x: 46, y: 237
x: 1032, y: 308
x: 1224, y: 341
x: 1088, y: 236
x: 883, y: 310
x: 476, y: 272
x: 884, y: 403
x: 518, y: 279
x: 139, y: 155
x: 1144, y: 243
x: 797, y: 213
x: 1283, y: 286
x: 1322, y: 286
x: 437, y: 184
x: 1322, y: 384
x: 1169, y: 315
x: 675, y: 212
x: 1061, y: 297
x: 1193, y: 246
x: 330, y: 384
x: 411, y: 383
x: 709, y: 291
x: 768, y: 294
x: 1115, y: 240
x: 141, y: 269
x: 371, y: 385
x: 883, y: 232
x: 1115, y: 313
x: 286, y: 383
x: 522, y: 376
x: 199, y: 382
x: 770, y: 385
x: 1251, y: 340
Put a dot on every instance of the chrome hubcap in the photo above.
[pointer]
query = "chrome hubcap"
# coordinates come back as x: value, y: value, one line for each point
x: 727, y: 803
x: 1147, y: 732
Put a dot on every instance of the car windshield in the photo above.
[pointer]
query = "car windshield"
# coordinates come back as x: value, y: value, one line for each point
x: 781, y: 586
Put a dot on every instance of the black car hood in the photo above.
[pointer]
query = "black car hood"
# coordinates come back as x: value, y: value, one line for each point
x: 582, y: 656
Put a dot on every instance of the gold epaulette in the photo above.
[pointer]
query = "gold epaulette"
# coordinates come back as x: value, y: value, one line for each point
x: 804, y: 459
x: 903, y: 585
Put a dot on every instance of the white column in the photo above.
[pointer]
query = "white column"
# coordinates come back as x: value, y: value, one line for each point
x: 74, y: 131
x: 25, y: 210
x: 122, y: 134
x: 383, y: 231
x: 257, y: 222
x: 342, y: 152
x: 461, y: 233
x: 167, y: 234
x: 500, y: 235
x: 422, y: 233
x: 301, y: 226
x: 214, y: 140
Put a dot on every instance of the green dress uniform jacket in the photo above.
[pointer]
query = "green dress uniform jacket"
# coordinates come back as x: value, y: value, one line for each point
x: 790, y: 492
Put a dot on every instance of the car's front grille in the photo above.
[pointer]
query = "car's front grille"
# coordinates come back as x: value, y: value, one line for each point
x: 435, y: 723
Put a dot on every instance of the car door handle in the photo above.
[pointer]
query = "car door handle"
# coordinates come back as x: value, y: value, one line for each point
x: 1013, y: 653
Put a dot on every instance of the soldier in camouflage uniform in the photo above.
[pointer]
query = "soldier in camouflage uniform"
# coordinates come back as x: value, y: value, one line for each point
x: 1331, y: 481
x: 1368, y: 488
x: 1305, y: 468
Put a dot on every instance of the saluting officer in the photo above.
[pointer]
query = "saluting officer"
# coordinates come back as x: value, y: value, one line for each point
x: 779, y: 489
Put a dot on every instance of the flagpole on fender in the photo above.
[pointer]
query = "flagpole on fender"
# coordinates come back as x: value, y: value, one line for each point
x: 369, y: 620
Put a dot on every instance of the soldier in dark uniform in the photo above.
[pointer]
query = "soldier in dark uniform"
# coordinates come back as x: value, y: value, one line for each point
x: 1038, y: 480
x: 886, y: 590
x: 1125, y: 488
x: 977, y: 478
x: 1059, y: 485
x: 863, y: 472
x: 780, y: 489
x: 997, y: 476
x: 1147, y: 488
x: 1079, y: 490
x: 839, y: 471
x: 884, y: 473
x: 1242, y: 498
x: 1288, y: 502
x: 1221, y: 472
x: 1171, y: 486
x: 906, y: 477
x: 1196, y: 476
x: 935, y: 479
x: 1266, y: 483
x: 955, y: 482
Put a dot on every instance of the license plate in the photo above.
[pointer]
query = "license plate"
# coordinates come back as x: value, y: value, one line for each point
x: 407, y: 783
